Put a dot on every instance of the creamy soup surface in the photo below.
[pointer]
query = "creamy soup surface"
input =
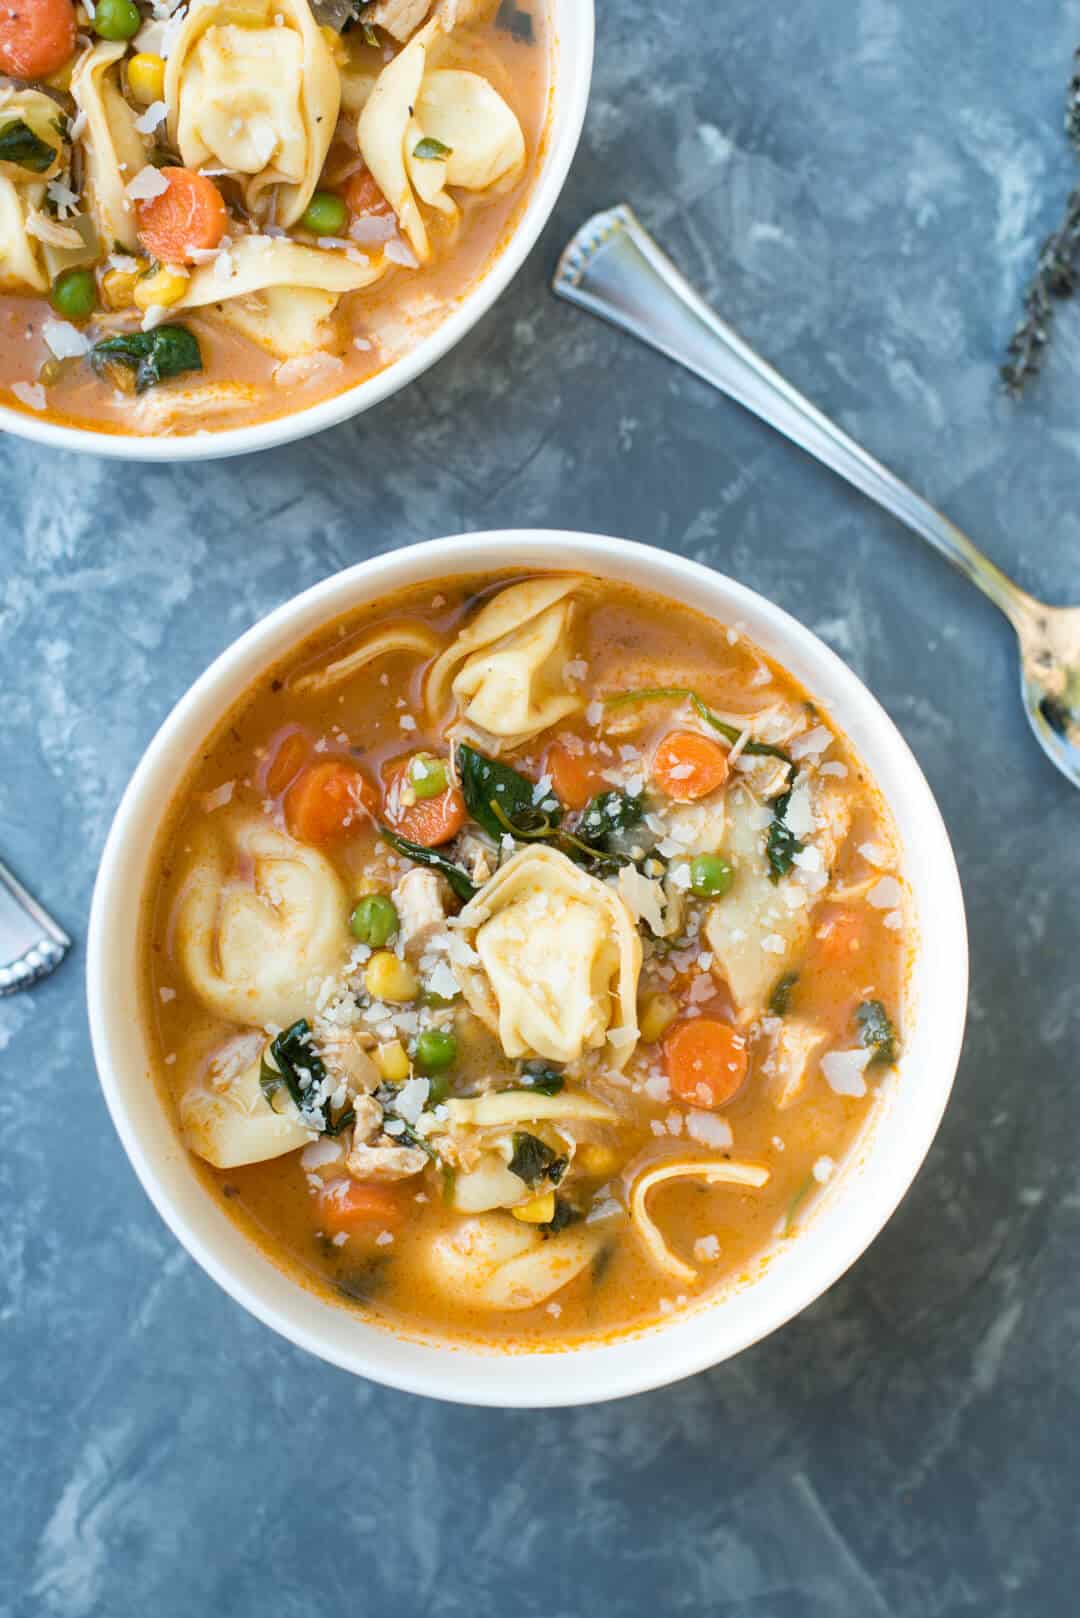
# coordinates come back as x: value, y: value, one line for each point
x: 214, y: 212
x: 523, y: 958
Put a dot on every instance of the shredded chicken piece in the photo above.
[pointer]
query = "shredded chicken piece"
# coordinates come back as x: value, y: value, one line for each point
x: 399, y: 17
x: 369, y: 1120
x: 420, y: 907
x: 476, y: 858
x: 346, y: 1060
x: 788, y: 1064
x: 384, y: 1161
x: 832, y: 812
x: 51, y: 232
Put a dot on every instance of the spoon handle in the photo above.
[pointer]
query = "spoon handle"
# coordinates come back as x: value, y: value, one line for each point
x: 31, y: 943
x: 614, y: 269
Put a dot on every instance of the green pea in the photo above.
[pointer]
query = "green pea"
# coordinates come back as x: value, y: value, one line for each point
x: 427, y: 776
x: 711, y: 876
x: 325, y: 215
x: 435, y: 1051
x: 374, y: 920
x: 116, y: 19
x: 438, y: 1089
x: 74, y: 294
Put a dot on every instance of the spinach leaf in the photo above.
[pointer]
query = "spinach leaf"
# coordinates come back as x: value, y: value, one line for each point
x: 877, y: 1033
x: 406, y: 1135
x: 565, y: 1214
x: 541, y: 1079
x: 517, y: 23
x: 607, y: 816
x: 154, y: 356
x: 292, y: 1058
x: 781, y: 845
x: 19, y: 145
x: 796, y: 1203
x: 682, y: 693
x: 459, y: 880
x: 534, y: 1159
x: 780, y: 999
x: 361, y: 1282
x: 430, y: 149
x: 501, y: 800
x: 601, y: 1262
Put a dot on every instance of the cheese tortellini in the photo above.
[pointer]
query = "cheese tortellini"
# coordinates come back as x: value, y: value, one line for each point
x: 280, y: 294
x: 760, y: 926
x: 507, y: 668
x: 114, y: 150
x: 224, y: 1114
x: 260, y: 924
x: 23, y: 225
x: 424, y: 128
x: 557, y: 960
x: 252, y: 87
x: 493, y: 1262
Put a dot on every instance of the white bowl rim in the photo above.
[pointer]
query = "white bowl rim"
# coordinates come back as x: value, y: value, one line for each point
x: 572, y: 75
x: 689, y: 1341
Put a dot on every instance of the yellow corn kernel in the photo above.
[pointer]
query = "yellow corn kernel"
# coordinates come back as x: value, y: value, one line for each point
x: 387, y: 978
x: 595, y: 1160
x: 658, y: 1012
x: 159, y: 290
x: 118, y: 288
x: 146, y: 77
x: 61, y: 79
x: 392, y: 1062
x: 538, y: 1211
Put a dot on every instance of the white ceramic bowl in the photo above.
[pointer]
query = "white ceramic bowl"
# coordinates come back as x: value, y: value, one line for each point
x: 858, y: 1202
x: 571, y: 74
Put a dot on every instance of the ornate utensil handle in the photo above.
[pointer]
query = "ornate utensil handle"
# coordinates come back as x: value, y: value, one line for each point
x: 614, y: 269
x: 31, y: 943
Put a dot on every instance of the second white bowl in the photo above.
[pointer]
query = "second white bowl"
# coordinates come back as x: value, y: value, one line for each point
x: 859, y: 1200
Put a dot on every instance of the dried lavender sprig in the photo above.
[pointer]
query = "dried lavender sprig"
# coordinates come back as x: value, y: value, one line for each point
x: 1056, y: 276
x: 1057, y: 272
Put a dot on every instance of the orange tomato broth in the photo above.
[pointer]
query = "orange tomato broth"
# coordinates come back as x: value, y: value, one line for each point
x: 627, y: 639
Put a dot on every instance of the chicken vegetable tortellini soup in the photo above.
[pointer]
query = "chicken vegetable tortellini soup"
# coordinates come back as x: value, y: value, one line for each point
x: 525, y: 958
x: 213, y: 212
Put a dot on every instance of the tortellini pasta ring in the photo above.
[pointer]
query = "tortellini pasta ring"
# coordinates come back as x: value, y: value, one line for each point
x: 114, y: 150
x: 507, y: 667
x: 493, y: 1262
x: 557, y: 960
x: 251, y: 86
x: 381, y: 642
x: 224, y: 1115
x: 752, y: 1175
x: 260, y: 923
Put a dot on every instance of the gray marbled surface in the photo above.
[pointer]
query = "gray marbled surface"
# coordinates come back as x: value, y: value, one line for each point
x: 860, y: 185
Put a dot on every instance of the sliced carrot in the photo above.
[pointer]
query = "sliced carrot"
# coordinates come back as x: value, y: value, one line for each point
x: 327, y: 800
x: 188, y: 217
x: 362, y: 195
x: 358, y: 1204
x: 575, y: 777
x: 841, y: 935
x: 428, y: 821
x: 705, y: 1061
x: 687, y: 765
x: 37, y: 37
x: 288, y: 759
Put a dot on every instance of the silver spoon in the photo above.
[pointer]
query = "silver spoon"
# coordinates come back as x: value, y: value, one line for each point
x: 614, y: 269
